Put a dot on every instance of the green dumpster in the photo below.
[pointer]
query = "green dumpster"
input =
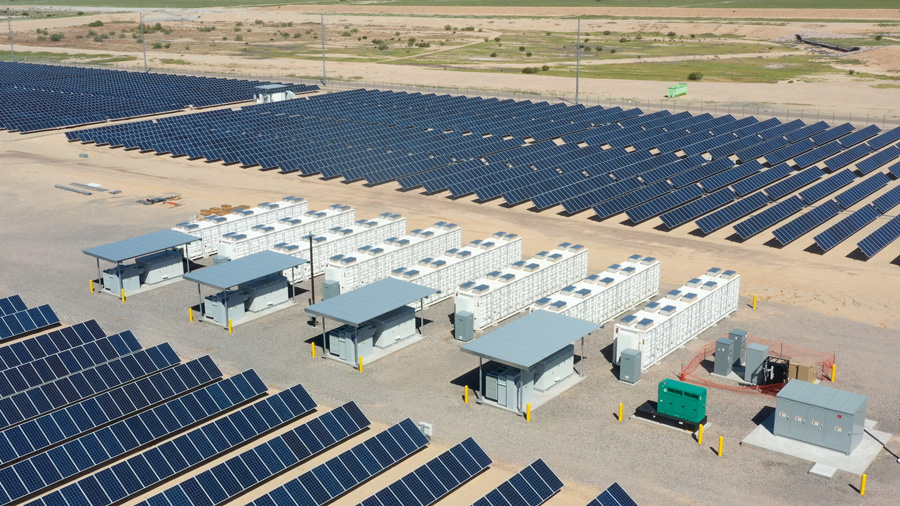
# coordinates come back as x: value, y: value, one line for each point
x: 677, y: 90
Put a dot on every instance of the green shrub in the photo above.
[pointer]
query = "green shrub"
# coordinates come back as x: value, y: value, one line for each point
x: 606, y: 32
x: 670, y: 34
x: 448, y: 27
x: 521, y: 48
x: 56, y: 37
x: 531, y: 70
x: 493, y: 55
x: 157, y: 45
x: 528, y: 54
x: 96, y: 23
x: 695, y: 76
x: 623, y: 40
x: 545, y: 68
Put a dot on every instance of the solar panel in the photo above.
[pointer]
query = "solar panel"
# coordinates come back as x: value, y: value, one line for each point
x: 889, y: 137
x: 97, y: 448
x: 688, y: 212
x: 793, y: 183
x: 200, y: 445
x: 845, y: 228
x: 327, y: 481
x: 743, y: 207
x: 796, y: 228
x: 759, y: 222
x: 827, y: 187
x: 434, y: 479
x: 730, y: 176
x: 847, y: 157
x: 615, y: 495
x: 862, y: 190
x: 26, y: 321
x: 11, y: 304
x: 664, y: 203
x: 37, y: 347
x: 881, y: 238
x: 762, y: 179
x: 877, y: 160
x: 532, y: 486
x: 887, y: 201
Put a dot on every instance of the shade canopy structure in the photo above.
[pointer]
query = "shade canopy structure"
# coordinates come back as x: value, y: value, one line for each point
x: 141, y: 245
x: 243, y: 270
x: 270, y: 87
x: 370, y: 301
x: 527, y: 341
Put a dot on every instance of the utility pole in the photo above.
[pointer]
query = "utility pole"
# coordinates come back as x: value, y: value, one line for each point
x: 578, y: 62
x: 324, y: 78
x: 143, y: 42
x: 11, y: 48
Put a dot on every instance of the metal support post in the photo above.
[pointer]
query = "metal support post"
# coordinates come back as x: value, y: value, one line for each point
x: 312, y: 283
x: 582, y: 357
x: 100, y: 276
x: 227, y: 319
x: 121, y: 285
x: 480, y: 381
x: 325, y: 353
x: 356, y: 347
x: 200, y: 298
x: 422, y: 317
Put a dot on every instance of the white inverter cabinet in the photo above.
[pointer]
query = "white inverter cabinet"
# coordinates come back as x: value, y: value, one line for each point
x: 262, y: 237
x: 455, y: 266
x: 372, y: 263
x: 664, y: 325
x: 340, y: 241
x: 505, y: 292
x: 603, y: 296
x: 211, y: 228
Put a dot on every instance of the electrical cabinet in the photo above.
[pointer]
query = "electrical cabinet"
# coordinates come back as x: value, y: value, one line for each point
x: 821, y: 415
x: 464, y: 325
x: 330, y: 289
x: 350, y: 343
x: 394, y: 326
x: 554, y: 369
x: 158, y: 267
x: 630, y: 366
x: 214, y: 306
x: 724, y: 356
x: 126, y: 277
x: 266, y: 292
x: 755, y: 368
x: 682, y: 400
x: 740, y: 345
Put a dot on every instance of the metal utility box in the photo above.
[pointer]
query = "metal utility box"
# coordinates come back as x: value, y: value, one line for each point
x: 350, y: 343
x: 214, y: 306
x: 266, y: 292
x: 630, y: 366
x: 821, y: 415
x: 128, y: 275
x: 492, y: 388
x: 677, y: 90
x: 509, y: 387
x: 158, y: 267
x: 464, y: 325
x: 755, y: 368
x: 394, y: 326
x: 682, y: 400
x: 554, y: 368
x: 724, y: 356
x: 740, y: 345
x: 330, y: 289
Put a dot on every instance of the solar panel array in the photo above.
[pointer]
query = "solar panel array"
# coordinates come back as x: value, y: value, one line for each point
x: 878, y: 240
x: 614, y: 495
x: 845, y: 228
x: 531, y: 486
x: 29, y: 320
x: 11, y: 304
x: 434, y: 479
x: 29, y: 350
x: 36, y: 97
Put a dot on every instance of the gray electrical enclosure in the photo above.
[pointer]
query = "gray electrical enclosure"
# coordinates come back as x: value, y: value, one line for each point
x: 630, y: 366
x: 464, y: 325
x: 725, y: 352
x: 754, y: 370
x: 740, y: 345
x: 265, y: 292
x: 158, y: 267
x: 330, y: 289
x: 820, y: 415
x: 128, y: 275
x: 214, y: 306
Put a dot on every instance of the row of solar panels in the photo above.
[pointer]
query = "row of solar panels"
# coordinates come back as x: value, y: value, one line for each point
x: 37, y: 97
x: 106, y: 437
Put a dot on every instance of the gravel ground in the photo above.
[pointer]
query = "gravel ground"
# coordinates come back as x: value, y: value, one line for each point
x: 577, y: 434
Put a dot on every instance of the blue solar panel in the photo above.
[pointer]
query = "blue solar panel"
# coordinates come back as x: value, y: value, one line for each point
x: 832, y: 134
x: 881, y: 238
x: 26, y: 321
x: 862, y: 190
x: 889, y: 137
x: 762, y: 179
x: 664, y: 203
x: 796, y: 228
x: 887, y: 201
x: 826, y: 187
x: 877, y: 160
x: 817, y: 155
x: 743, y: 207
x: 793, y: 183
x: 759, y: 222
x: 532, y: 486
x: 37, y: 347
x: 327, y: 481
x: 730, y: 176
x: 688, y: 212
x: 613, y: 496
x: 847, y: 157
x: 845, y: 228
x: 11, y: 304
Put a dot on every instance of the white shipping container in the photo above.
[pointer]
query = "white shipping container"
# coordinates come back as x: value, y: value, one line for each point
x: 373, y: 263
x: 445, y: 272
x: 505, y: 292
x: 664, y: 325
x: 341, y: 240
x: 601, y: 297
x: 211, y: 228
x: 234, y: 245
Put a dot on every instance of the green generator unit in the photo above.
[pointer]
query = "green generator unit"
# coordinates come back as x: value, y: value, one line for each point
x: 677, y: 90
x: 682, y: 401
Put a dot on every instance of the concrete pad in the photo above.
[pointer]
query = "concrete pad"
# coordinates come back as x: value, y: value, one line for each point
x: 379, y: 353
x: 822, y: 470
x: 670, y: 427
x: 856, y: 463
x: 250, y: 316
x: 538, y: 399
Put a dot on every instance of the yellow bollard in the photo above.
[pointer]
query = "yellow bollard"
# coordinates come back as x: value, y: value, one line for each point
x: 620, y: 411
x: 833, y: 371
x: 191, y: 314
x: 467, y: 394
x: 862, y: 485
x: 92, y: 286
x: 229, y: 326
x: 360, y: 365
x: 754, y: 302
x: 123, y: 296
x: 313, y: 346
x: 700, y: 435
x: 528, y: 412
x: 721, y: 440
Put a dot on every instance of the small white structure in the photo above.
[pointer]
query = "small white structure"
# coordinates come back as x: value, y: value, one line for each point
x: 273, y: 93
